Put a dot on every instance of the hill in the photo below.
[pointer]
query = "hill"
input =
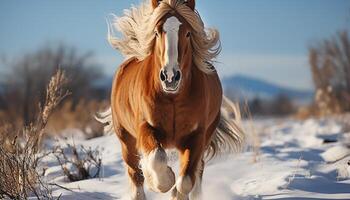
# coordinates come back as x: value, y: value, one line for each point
x: 245, y: 87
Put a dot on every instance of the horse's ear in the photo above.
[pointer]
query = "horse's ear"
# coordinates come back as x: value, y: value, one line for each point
x: 191, y: 4
x: 155, y: 3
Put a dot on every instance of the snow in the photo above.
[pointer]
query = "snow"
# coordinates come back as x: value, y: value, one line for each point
x: 293, y: 162
x: 335, y: 153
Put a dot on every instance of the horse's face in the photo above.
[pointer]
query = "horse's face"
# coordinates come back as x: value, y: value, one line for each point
x: 173, y: 49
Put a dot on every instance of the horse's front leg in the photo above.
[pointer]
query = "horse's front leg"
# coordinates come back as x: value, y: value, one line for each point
x: 191, y: 150
x: 132, y: 159
x: 158, y: 175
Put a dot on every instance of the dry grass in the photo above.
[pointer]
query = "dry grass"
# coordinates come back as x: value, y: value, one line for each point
x: 254, y: 139
x: 20, y: 152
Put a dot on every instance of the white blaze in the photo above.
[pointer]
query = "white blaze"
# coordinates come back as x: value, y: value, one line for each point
x: 171, y: 28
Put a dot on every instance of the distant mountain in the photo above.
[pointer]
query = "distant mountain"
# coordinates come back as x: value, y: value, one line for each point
x: 245, y: 87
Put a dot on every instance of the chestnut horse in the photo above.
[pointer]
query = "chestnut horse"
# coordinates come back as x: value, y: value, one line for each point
x: 167, y: 95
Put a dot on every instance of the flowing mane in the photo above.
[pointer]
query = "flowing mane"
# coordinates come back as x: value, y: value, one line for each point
x: 137, y: 29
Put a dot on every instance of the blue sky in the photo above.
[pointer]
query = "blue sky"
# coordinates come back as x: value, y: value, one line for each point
x: 265, y: 39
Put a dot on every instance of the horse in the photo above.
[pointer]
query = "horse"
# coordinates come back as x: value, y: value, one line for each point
x: 167, y: 95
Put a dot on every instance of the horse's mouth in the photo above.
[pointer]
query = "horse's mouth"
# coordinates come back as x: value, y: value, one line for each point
x: 171, y: 90
x: 171, y: 87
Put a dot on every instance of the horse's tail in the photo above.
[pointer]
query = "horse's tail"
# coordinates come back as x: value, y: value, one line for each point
x: 229, y: 135
x: 105, y: 117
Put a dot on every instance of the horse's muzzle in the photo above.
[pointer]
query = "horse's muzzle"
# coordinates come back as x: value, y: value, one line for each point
x: 170, y: 80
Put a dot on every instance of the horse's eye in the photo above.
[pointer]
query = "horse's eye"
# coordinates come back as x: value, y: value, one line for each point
x: 188, y: 34
x: 156, y: 33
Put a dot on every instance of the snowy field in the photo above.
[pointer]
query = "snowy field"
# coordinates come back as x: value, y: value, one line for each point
x: 296, y: 160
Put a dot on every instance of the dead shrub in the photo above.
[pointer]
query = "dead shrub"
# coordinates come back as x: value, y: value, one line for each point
x: 330, y: 68
x: 78, y: 163
x: 20, y: 156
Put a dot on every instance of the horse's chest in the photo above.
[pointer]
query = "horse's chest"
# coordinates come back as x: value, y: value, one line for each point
x: 175, y: 120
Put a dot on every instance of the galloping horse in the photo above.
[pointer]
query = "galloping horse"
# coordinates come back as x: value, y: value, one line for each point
x: 167, y: 95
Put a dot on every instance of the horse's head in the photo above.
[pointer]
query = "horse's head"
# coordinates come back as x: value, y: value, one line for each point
x: 173, y: 49
x: 173, y: 33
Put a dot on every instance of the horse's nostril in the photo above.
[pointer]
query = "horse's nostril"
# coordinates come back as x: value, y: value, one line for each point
x: 178, y: 76
x: 162, y: 75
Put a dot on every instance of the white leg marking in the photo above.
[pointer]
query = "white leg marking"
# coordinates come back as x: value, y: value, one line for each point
x: 184, y: 185
x: 137, y: 193
x: 196, y: 193
x: 175, y: 195
x: 159, y: 177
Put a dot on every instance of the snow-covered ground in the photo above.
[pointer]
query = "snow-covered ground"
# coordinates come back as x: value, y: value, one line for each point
x: 293, y: 162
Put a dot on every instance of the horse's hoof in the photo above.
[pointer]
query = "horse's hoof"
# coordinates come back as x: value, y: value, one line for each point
x: 184, y: 185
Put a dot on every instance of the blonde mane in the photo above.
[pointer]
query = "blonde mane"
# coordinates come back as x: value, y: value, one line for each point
x: 137, y: 29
